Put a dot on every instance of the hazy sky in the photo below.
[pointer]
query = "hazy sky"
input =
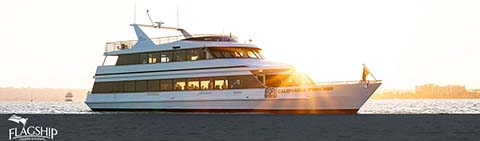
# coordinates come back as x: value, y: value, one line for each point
x: 59, y: 43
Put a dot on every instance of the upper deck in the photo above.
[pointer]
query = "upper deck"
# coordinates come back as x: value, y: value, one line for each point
x: 128, y: 44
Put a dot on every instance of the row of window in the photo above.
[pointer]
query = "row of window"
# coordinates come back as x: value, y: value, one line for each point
x: 210, y: 83
x: 188, y: 55
x: 162, y: 57
x: 236, y: 53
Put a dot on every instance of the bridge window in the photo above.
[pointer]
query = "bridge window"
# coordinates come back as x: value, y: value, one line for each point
x: 237, y: 52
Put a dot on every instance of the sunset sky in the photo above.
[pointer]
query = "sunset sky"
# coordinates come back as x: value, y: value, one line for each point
x: 58, y: 43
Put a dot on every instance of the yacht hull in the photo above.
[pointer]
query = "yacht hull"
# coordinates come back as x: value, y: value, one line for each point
x: 326, y: 98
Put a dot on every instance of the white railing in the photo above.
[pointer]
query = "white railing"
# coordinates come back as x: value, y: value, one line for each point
x: 347, y: 82
x: 122, y: 45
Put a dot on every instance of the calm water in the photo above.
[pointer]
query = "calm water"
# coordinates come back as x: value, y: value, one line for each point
x: 437, y: 106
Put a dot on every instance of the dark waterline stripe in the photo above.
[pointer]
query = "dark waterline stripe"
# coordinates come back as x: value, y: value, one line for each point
x: 272, y: 111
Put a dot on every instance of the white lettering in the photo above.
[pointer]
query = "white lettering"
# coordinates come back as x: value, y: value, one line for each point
x: 53, y: 132
x: 10, y: 133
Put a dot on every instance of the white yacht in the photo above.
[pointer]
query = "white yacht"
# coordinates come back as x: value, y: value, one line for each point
x: 212, y: 73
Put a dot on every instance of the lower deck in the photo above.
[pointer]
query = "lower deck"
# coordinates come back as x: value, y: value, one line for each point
x: 335, y: 97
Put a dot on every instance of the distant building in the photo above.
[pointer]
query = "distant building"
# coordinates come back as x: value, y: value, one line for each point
x: 476, y: 91
x: 432, y: 89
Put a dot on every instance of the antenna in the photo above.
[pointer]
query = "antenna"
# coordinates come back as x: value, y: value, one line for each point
x: 134, y: 11
x: 151, y: 21
x: 178, y: 21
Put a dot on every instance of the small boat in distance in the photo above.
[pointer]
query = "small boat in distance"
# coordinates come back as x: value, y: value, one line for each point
x: 69, y: 97
x: 212, y: 73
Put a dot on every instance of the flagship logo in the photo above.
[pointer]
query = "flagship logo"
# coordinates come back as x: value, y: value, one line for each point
x: 29, y: 132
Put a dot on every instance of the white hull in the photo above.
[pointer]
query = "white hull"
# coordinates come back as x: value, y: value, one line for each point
x: 332, y: 97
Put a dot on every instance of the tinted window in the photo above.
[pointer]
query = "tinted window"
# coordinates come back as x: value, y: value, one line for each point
x: 166, y: 56
x: 129, y: 86
x: 143, y: 58
x: 231, y: 52
x: 153, y: 58
x: 128, y: 59
x: 193, y: 85
x: 221, y: 84
x: 179, y: 55
x: 180, y: 85
x: 213, y: 83
x: 166, y: 85
x: 153, y: 85
x: 141, y: 86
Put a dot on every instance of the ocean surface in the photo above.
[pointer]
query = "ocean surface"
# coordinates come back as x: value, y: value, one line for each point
x: 402, y: 120
x: 430, y: 106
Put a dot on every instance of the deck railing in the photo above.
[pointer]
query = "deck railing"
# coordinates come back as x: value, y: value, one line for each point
x: 122, y: 45
x: 347, y: 82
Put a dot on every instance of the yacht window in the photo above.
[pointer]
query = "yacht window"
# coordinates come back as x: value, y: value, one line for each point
x: 128, y: 59
x: 165, y: 56
x: 251, y: 54
x: 227, y: 54
x: 100, y: 87
x: 221, y: 84
x: 195, y: 54
x: 179, y: 55
x: 193, y: 85
x: 117, y: 87
x: 218, y: 54
x: 153, y: 58
x: 129, y: 86
x: 208, y: 55
x: 217, y: 83
x: 259, y: 54
x: 236, y: 52
x: 247, y: 81
x: 141, y: 86
x: 286, y: 80
x: 234, y: 84
x: 153, y: 85
x: 166, y: 85
x: 110, y: 60
x: 143, y: 59
x: 242, y: 53
x: 180, y: 85
x: 206, y: 85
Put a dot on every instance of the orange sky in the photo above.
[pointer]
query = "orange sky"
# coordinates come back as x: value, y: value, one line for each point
x: 59, y: 43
